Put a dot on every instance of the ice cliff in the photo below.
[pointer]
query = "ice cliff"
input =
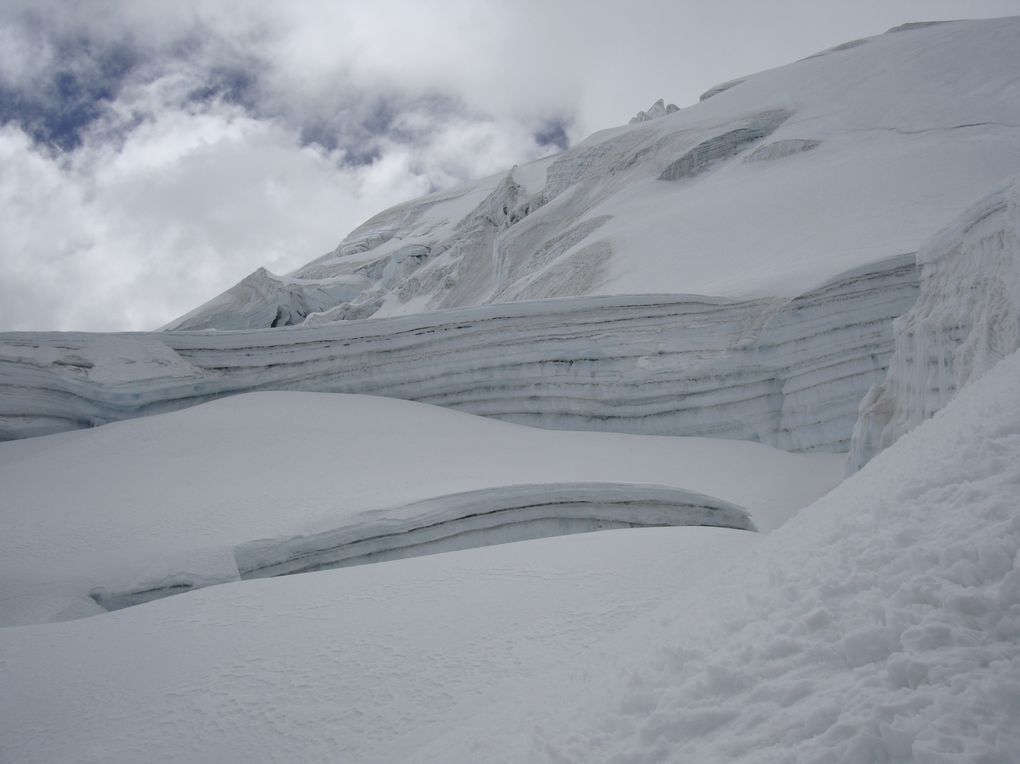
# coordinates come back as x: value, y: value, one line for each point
x: 966, y: 319
x: 789, y: 372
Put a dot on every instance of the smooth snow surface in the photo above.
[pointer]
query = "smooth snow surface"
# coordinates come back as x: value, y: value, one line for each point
x: 767, y: 188
x: 145, y: 508
x: 882, y: 625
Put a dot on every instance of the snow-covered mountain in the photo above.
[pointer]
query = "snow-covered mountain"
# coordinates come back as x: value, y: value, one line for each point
x: 771, y: 186
x: 821, y: 258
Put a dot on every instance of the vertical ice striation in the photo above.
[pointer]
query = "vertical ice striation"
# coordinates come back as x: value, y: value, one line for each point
x: 966, y: 319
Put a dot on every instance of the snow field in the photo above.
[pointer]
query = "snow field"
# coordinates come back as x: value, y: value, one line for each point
x: 178, y: 500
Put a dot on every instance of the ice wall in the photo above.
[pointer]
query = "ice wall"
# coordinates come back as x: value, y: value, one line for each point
x: 786, y: 372
x: 966, y: 319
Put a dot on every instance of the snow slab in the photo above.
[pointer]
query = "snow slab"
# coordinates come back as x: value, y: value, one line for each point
x: 163, y: 501
x: 882, y: 623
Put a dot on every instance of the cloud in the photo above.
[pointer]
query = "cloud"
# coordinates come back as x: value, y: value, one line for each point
x: 152, y: 153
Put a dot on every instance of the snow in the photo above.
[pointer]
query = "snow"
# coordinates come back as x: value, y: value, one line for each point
x: 875, y: 619
x: 965, y: 320
x: 882, y: 624
x: 789, y: 373
x: 180, y: 500
x: 905, y: 131
x: 355, y: 665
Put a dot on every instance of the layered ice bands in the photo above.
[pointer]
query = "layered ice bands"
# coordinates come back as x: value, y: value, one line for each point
x: 786, y: 372
x: 485, y: 517
x: 465, y: 520
x: 966, y: 319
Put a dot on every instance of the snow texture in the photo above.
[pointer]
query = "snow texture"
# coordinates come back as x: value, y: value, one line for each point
x: 879, y: 623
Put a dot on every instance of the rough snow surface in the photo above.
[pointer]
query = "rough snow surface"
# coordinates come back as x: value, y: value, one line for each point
x: 173, y: 502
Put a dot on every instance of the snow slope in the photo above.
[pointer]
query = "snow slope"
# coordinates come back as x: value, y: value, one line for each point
x: 767, y: 188
x: 273, y: 483
x: 881, y: 624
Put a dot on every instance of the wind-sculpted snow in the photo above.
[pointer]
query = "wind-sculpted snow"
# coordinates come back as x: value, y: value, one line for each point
x: 266, y: 484
x: 966, y: 319
x: 871, y: 147
x: 787, y: 372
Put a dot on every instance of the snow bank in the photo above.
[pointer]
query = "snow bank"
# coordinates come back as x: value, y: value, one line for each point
x: 966, y: 319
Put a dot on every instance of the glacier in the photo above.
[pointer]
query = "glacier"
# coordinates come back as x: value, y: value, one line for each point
x: 855, y: 286
x: 786, y: 372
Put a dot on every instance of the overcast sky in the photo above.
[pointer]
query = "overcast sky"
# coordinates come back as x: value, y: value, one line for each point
x: 152, y: 154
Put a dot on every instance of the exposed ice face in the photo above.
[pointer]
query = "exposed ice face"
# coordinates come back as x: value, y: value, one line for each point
x: 787, y: 372
x: 966, y: 319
